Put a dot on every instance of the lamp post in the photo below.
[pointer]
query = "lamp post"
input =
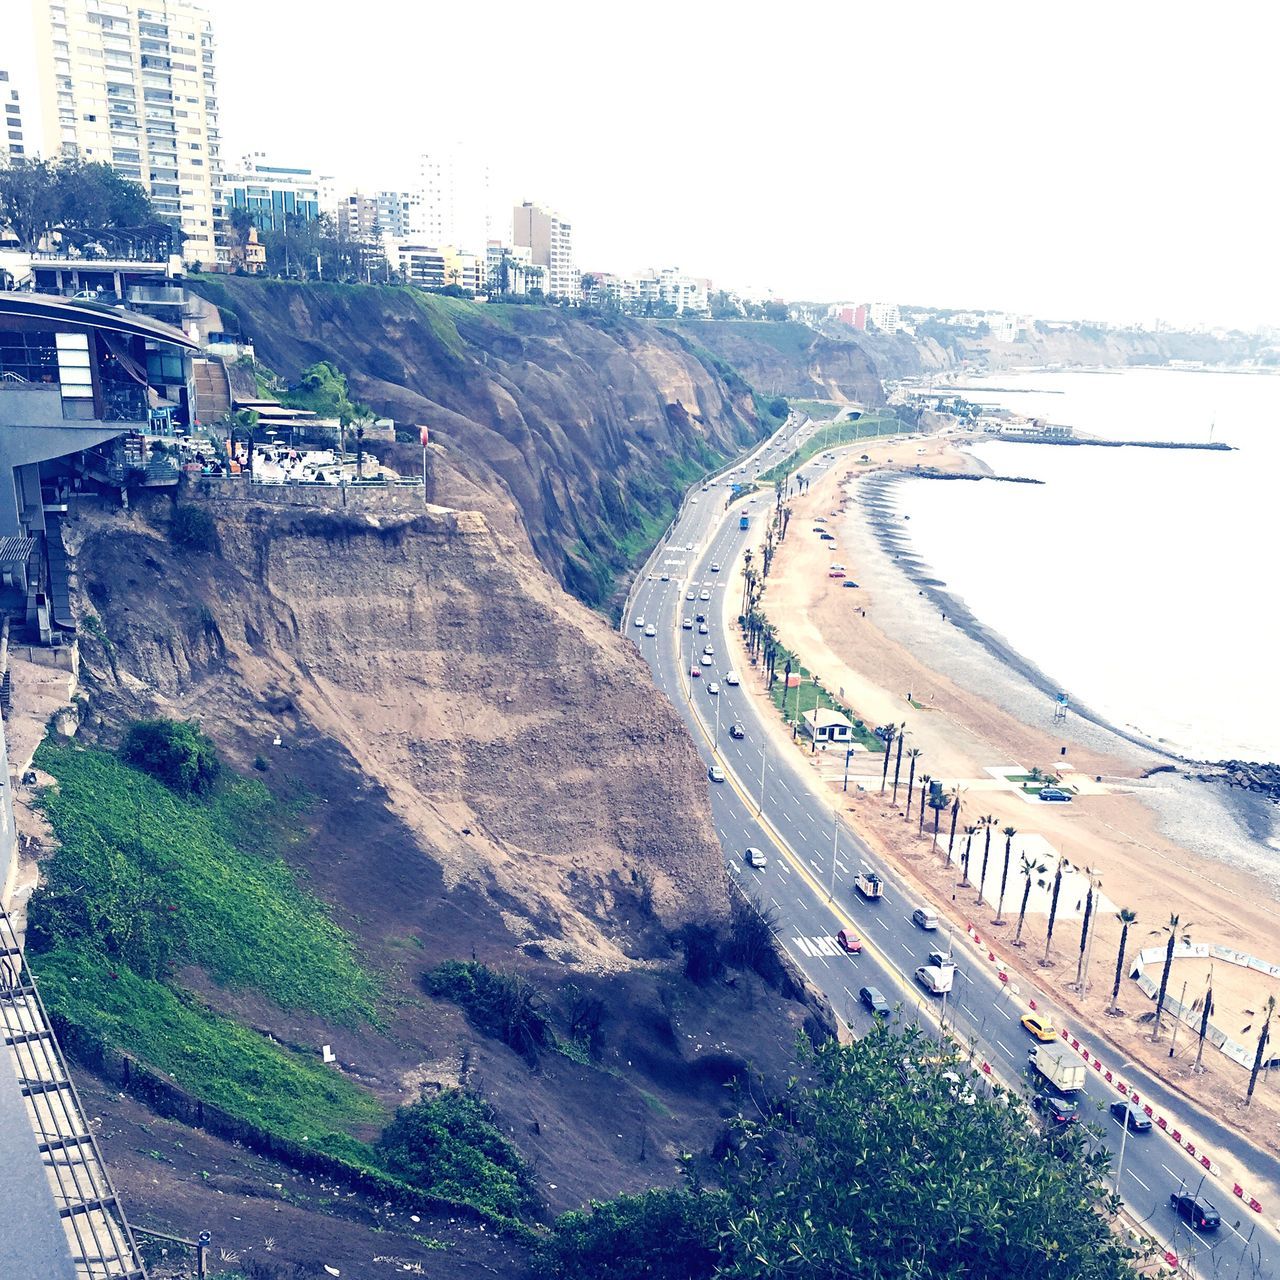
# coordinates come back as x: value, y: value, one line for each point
x: 1124, y: 1134
x: 1182, y: 1004
x: 835, y: 849
x: 848, y: 753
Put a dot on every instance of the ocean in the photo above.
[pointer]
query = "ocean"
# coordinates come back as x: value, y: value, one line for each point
x: 1140, y: 580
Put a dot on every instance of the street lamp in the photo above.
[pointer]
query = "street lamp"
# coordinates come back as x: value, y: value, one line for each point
x: 1124, y: 1132
x: 847, y: 755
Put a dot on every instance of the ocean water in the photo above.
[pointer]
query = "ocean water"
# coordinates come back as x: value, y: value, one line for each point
x: 1143, y: 581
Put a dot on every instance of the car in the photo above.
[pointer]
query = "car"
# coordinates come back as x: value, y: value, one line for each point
x: 849, y: 942
x: 703, y: 629
x: 737, y: 731
x: 819, y: 519
x: 1132, y: 1115
x: 925, y: 918
x: 666, y: 577
x: 695, y: 672
x: 827, y: 537
x: 708, y: 650
x: 688, y: 546
x: 639, y: 619
x: 651, y: 630
x: 704, y: 594
x: 874, y: 1000
x: 1192, y: 1209
x: 1056, y: 1108
x: 848, y: 582
x: 1055, y: 794
x: 713, y: 688
x: 836, y: 566
x: 835, y: 573
x: 731, y: 678
x: 715, y: 566
x: 689, y: 595
x: 816, y: 529
x: 1039, y: 1026
x: 702, y: 617
x: 755, y: 858
x: 715, y: 773
x: 687, y: 625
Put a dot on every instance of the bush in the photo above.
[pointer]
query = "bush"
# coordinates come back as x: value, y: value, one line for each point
x: 449, y: 1146
x: 503, y: 1005
x: 175, y: 752
x: 193, y: 527
x: 658, y: 1235
x: 702, y: 959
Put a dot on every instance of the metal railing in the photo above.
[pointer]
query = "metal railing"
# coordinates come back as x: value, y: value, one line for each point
x: 98, y: 1234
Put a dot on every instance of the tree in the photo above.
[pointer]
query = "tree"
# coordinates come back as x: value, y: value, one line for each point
x: 1008, y: 833
x: 925, y: 780
x: 1176, y: 931
x: 29, y: 200
x: 1084, y: 930
x: 969, y: 833
x: 938, y: 803
x: 1063, y: 868
x: 897, y: 764
x: 1030, y: 867
x: 955, y: 815
x: 175, y: 752
x: 1206, y: 1012
x: 1126, y: 918
x: 988, y: 823
x: 1263, y: 1036
x: 913, y: 754
x: 890, y: 732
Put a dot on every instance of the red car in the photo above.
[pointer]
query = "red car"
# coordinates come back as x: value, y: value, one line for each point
x: 849, y: 942
x: 835, y: 573
x: 695, y: 671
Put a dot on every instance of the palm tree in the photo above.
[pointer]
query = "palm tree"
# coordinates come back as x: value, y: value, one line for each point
x: 897, y: 764
x: 969, y: 833
x: 1064, y: 868
x: 890, y: 732
x: 1084, y: 930
x: 937, y: 804
x: 1008, y: 833
x: 1263, y: 1036
x: 955, y: 814
x: 1176, y: 931
x: 988, y: 822
x: 913, y: 754
x: 1126, y: 918
x: 925, y: 780
x: 1030, y: 867
x: 1206, y: 1012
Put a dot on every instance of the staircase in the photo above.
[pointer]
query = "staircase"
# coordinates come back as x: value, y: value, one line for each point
x: 213, y: 390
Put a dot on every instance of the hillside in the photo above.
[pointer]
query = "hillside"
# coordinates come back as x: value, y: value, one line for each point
x: 587, y: 431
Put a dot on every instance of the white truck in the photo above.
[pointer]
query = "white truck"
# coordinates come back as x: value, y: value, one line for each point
x: 1059, y: 1066
x: 869, y: 885
x: 937, y: 979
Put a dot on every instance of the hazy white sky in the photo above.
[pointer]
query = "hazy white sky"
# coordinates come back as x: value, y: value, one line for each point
x: 1090, y: 160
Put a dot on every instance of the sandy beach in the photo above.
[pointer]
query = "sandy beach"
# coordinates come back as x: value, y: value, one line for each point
x: 1158, y: 845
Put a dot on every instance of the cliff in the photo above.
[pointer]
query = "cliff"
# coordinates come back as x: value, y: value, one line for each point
x: 588, y: 430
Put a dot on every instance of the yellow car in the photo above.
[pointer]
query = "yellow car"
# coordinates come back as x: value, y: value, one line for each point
x: 1039, y: 1027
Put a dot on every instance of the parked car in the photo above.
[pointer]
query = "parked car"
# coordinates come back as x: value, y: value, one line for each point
x: 874, y: 1000
x: 848, y: 582
x: 1056, y: 1108
x: 1192, y: 1209
x: 715, y: 773
x: 731, y: 678
x: 835, y: 573
x: 737, y: 731
x: 837, y: 566
x: 848, y: 941
x: 687, y: 625
x: 1056, y: 794
x: 1039, y: 1026
x: 755, y: 858
x: 826, y: 537
x: 713, y: 688
x: 1132, y: 1115
x: 819, y: 519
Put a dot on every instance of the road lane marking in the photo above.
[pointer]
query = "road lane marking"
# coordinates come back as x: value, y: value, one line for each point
x: 999, y: 1045
x: 1142, y: 1184
x: 881, y: 923
x: 1004, y: 1013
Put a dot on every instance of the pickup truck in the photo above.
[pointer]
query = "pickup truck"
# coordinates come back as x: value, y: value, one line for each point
x: 935, y: 979
x: 1062, y: 1068
x: 869, y: 885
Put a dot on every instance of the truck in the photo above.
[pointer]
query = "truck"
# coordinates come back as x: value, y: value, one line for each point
x: 1059, y: 1066
x: 869, y: 885
x: 936, y: 979
x: 744, y: 522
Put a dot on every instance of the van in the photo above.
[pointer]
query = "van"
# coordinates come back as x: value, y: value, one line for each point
x: 925, y: 917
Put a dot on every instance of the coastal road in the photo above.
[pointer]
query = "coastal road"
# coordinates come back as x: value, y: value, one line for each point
x: 772, y: 801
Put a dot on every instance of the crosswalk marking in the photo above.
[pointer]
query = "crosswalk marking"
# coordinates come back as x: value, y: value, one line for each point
x: 816, y: 947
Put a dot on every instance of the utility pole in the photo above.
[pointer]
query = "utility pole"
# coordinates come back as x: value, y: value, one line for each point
x: 1177, y: 1022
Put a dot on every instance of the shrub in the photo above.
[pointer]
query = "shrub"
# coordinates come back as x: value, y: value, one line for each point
x: 175, y: 752
x: 193, y: 527
x: 503, y: 1005
x: 702, y: 958
x: 449, y: 1146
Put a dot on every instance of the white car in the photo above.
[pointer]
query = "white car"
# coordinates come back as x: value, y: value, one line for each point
x: 666, y: 577
x: 754, y: 858
x: 708, y: 651
x: 688, y: 546
x: 703, y: 629
x: 651, y: 630
x: 731, y: 677
x: 639, y: 619
x: 715, y: 566
x: 687, y: 624
x: 704, y: 594
x: 713, y: 688
x: 689, y: 595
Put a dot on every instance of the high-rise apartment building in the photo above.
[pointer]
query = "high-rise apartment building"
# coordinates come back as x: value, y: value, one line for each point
x: 550, y: 239
x: 274, y: 194
x: 132, y: 83
x: 13, y: 139
x: 454, y: 199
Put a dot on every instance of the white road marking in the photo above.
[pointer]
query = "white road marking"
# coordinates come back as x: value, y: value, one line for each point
x: 881, y: 923
x: 1171, y: 1174
x: 784, y: 866
x: 842, y: 866
x: 1008, y: 1051
x: 1142, y: 1184
x: 802, y: 945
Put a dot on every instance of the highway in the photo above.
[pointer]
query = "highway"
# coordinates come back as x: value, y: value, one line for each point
x: 771, y: 800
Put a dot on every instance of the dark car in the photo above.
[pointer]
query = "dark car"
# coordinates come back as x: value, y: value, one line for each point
x: 848, y: 582
x: 737, y: 731
x: 1137, y: 1119
x: 1054, y: 1107
x: 874, y: 1000
x: 1199, y: 1213
x: 1055, y: 794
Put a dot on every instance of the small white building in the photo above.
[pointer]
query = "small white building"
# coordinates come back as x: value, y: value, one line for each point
x: 825, y: 725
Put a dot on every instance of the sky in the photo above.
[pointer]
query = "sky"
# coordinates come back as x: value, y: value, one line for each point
x: 1092, y: 161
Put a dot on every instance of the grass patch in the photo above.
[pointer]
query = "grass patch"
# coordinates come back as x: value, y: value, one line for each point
x: 870, y: 426
x: 818, y: 410
x: 503, y: 1005
x: 807, y: 696
x: 147, y: 878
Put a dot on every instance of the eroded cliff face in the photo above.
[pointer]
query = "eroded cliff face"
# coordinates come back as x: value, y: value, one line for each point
x: 589, y: 430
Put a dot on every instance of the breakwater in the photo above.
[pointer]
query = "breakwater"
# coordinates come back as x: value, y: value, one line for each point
x: 1012, y: 437
x: 932, y: 473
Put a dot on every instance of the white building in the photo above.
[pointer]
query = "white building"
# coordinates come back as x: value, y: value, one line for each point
x: 550, y: 240
x: 132, y: 84
x: 453, y: 199
x: 14, y: 143
x: 511, y: 269
x: 825, y: 725
x: 885, y: 316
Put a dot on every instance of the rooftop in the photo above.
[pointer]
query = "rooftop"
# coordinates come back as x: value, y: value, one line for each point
x: 96, y: 315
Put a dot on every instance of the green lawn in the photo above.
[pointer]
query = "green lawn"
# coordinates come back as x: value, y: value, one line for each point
x: 793, y: 703
x: 818, y: 410
x: 879, y: 422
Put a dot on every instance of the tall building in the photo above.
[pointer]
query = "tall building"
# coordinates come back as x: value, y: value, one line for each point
x: 132, y: 83
x: 550, y: 240
x: 454, y: 199
x: 272, y: 193
x: 13, y: 141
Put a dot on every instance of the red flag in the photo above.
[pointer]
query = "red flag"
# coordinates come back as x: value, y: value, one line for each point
x: 424, y: 436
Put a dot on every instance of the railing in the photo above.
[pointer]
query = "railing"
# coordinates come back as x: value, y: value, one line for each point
x: 14, y: 378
